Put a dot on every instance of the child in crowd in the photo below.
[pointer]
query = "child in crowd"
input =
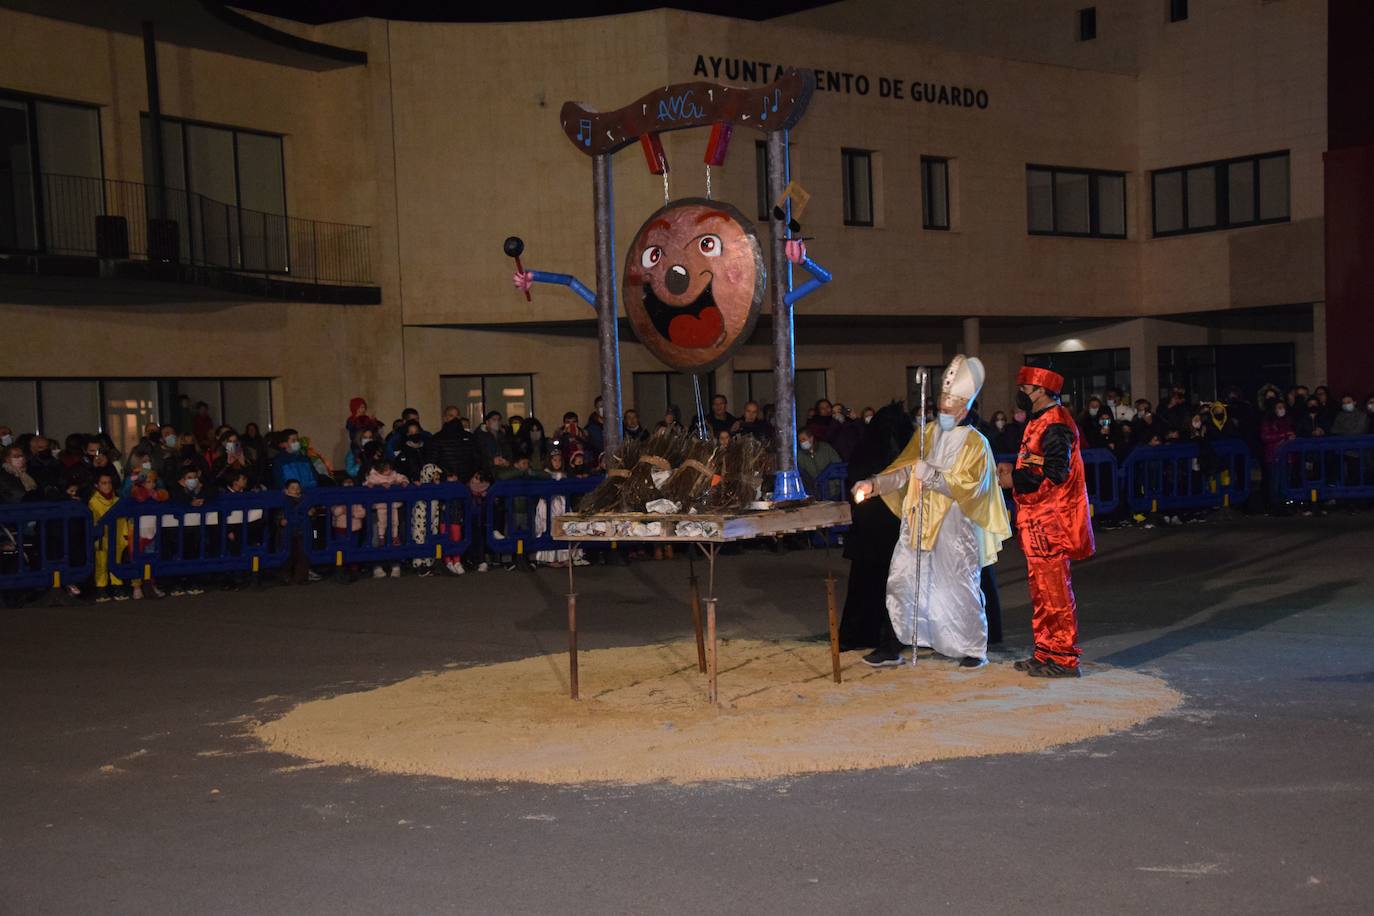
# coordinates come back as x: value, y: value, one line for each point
x: 347, y: 522
x: 296, y: 529
x: 102, y: 500
x: 477, y: 554
x: 388, y: 524
x: 143, y: 485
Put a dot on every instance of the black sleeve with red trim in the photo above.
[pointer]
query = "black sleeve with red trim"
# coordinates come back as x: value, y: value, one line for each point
x: 1057, y: 443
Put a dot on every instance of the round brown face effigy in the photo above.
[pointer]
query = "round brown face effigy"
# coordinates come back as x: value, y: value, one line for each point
x: 693, y: 283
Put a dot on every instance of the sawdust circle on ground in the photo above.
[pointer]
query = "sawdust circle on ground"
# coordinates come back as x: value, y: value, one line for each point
x: 644, y: 717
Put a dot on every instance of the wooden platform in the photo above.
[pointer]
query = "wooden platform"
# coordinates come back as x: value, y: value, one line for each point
x: 705, y: 528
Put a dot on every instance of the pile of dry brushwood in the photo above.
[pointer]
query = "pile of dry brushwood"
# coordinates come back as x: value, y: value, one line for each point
x: 674, y: 471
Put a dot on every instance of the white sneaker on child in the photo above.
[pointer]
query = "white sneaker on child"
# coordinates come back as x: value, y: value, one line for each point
x: 378, y: 572
x: 482, y: 567
x: 395, y: 570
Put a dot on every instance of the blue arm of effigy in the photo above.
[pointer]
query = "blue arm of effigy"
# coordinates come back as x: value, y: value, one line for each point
x: 568, y: 280
x: 819, y: 277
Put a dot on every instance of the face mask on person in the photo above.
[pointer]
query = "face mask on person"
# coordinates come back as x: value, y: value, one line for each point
x: 191, y: 485
x: 1280, y: 412
x: 947, y: 421
x: 363, y: 442
x: 6, y: 440
x: 147, y: 465
x: 1369, y: 407
x: 494, y: 427
x: 1023, y: 401
x: 1197, y: 423
x: 169, y: 441
x: 806, y: 445
x: 1000, y: 424
x: 1348, y: 407
x: 1111, y: 403
x: 293, y: 447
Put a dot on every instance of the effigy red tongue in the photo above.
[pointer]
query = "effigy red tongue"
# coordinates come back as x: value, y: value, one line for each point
x: 697, y: 331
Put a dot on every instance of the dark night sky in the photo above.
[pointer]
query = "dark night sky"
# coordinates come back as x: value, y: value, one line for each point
x: 317, y: 11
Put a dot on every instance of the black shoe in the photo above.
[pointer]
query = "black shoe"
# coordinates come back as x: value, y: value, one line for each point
x: 971, y: 662
x: 1053, y: 669
x: 881, y: 658
x: 1028, y: 664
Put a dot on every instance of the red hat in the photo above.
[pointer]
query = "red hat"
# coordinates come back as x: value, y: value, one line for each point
x: 1034, y: 375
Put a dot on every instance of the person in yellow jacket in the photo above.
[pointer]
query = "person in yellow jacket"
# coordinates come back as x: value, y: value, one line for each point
x: 102, y: 501
x: 963, y: 522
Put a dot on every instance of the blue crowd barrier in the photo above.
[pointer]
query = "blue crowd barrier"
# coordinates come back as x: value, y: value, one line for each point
x: 1324, y: 468
x: 831, y: 485
x: 231, y: 532
x: 1185, y: 476
x: 341, y: 525
x: 45, y: 545
x: 518, y: 514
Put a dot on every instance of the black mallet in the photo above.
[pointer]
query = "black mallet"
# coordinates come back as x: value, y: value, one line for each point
x: 514, y: 247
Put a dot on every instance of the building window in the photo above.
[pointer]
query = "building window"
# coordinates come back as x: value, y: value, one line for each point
x: 122, y: 407
x: 1178, y: 10
x: 757, y: 385
x: 231, y: 209
x: 761, y: 174
x: 857, y: 169
x: 1087, y: 23
x: 50, y: 174
x: 934, y: 193
x: 1087, y: 373
x: 1248, y: 191
x: 913, y: 387
x: 1206, y: 373
x: 658, y: 392
x: 477, y: 395
x: 1087, y: 203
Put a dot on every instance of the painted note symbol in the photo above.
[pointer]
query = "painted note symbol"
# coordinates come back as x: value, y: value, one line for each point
x: 777, y: 95
x: 584, y: 132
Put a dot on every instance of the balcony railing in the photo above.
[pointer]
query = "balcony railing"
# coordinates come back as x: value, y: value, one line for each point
x: 127, y: 220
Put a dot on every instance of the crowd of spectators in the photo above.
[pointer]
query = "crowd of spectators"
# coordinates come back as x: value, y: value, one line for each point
x: 194, y: 463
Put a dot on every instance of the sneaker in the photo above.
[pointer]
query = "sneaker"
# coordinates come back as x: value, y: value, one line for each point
x: 483, y: 567
x: 73, y: 591
x: 969, y: 663
x: 1026, y: 664
x: 1053, y: 669
x: 102, y: 595
x: 194, y: 590
x: 395, y: 570
x: 121, y: 596
x: 378, y: 572
x: 313, y: 576
x: 137, y: 594
x: 177, y: 591
x: 455, y: 567
x: 581, y: 561
x: 155, y: 592
x: 880, y: 658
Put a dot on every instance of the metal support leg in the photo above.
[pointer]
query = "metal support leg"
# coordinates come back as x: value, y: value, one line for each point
x: 572, y: 630
x: 696, y: 613
x: 834, y: 625
x: 711, y: 650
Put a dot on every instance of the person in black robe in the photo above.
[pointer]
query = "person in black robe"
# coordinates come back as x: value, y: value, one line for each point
x: 872, y: 534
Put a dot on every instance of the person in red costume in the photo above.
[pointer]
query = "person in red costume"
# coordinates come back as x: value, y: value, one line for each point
x: 1052, y: 519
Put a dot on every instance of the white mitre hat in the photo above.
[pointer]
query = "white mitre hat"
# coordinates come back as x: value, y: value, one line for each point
x: 962, y: 382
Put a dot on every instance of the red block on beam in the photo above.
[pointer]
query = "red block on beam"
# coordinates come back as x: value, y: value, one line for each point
x: 653, y: 153
x: 719, y: 143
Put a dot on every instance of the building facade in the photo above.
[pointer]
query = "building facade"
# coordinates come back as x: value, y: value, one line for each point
x: 1135, y: 197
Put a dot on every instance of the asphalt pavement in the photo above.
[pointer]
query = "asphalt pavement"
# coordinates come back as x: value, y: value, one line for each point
x: 127, y: 784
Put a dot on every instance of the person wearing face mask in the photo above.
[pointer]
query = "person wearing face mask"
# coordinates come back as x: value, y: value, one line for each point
x: 1099, y: 430
x: 1121, y: 411
x: 1052, y: 520
x: 16, y: 484
x: 1088, y: 419
x: 290, y: 462
x: 936, y: 568
x: 1349, y: 420
x: 494, y: 441
x: 6, y: 436
x: 813, y: 456
x: 1275, y: 429
x: 454, y: 448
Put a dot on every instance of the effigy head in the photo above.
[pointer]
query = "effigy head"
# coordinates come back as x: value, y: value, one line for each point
x: 693, y: 284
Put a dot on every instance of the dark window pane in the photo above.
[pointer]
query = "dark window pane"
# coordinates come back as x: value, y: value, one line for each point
x: 1111, y: 204
x: 1087, y: 24
x: 1202, y: 197
x: 1240, y: 191
x: 858, y: 188
x: 761, y: 177
x: 1071, y: 202
x: 1178, y: 10
x: 18, y: 226
x: 1273, y: 174
x: 935, y: 193
x: 1039, y: 200
x: 1168, y: 200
